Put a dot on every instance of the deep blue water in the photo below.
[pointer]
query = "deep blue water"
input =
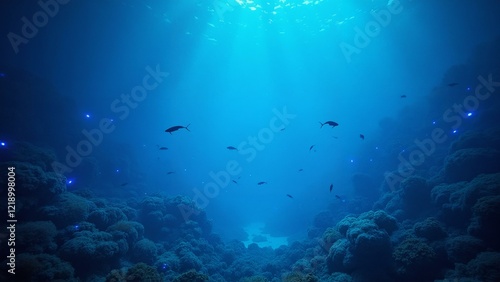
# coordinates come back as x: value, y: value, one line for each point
x: 89, y: 88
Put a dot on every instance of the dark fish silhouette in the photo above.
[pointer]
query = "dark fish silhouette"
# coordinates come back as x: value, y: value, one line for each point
x: 231, y: 148
x: 340, y: 198
x: 171, y: 172
x: 310, y: 148
x: 403, y: 96
x: 452, y: 84
x: 330, y: 123
x: 362, y: 136
x: 282, y: 129
x: 262, y: 182
x: 289, y: 196
x: 161, y: 148
x: 177, y: 127
x: 335, y: 137
x: 300, y: 169
x: 331, y: 187
x: 234, y: 181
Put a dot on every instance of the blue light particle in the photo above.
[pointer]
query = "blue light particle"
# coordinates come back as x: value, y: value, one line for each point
x: 87, y: 116
x: 70, y: 181
x: 454, y: 131
x: 117, y: 171
x: 76, y: 227
x: 469, y: 114
x: 2, y: 74
x: 352, y: 161
x: 376, y: 148
x: 468, y: 88
x: 433, y: 122
x: 3, y: 144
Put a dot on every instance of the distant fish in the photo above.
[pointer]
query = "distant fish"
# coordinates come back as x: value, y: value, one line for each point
x: 452, y: 84
x: 282, y: 129
x: 177, y: 127
x: 312, y: 146
x: 289, y: 196
x: 403, y: 96
x: 362, y: 136
x: 231, y: 148
x: 170, y: 172
x: 331, y: 187
x: 335, y: 137
x: 161, y: 148
x: 330, y: 123
x: 301, y: 170
x: 234, y: 181
x: 340, y: 198
x: 262, y: 182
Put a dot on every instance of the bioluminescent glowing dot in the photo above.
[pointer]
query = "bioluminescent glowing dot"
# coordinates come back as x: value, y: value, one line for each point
x: 433, y: 122
x: 468, y: 88
x: 352, y: 161
x: 117, y: 171
x: 70, y: 181
x: 3, y: 144
x: 76, y: 227
x: 371, y: 160
x: 469, y: 114
x: 455, y: 131
x: 87, y: 116
x: 376, y: 148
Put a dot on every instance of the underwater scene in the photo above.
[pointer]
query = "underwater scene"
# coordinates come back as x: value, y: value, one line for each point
x: 250, y: 140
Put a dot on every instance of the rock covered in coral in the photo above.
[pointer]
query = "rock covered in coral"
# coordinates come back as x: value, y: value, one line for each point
x: 485, y: 220
x: 43, y: 267
x: 430, y: 229
x: 463, y: 248
x: 67, y: 209
x: 36, y: 237
x: 458, y: 199
x: 411, y: 257
x: 144, y: 251
x: 485, y: 267
x: 465, y: 164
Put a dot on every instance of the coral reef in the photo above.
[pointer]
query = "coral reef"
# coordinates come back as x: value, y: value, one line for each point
x: 412, y: 256
x: 430, y: 229
x: 465, y: 164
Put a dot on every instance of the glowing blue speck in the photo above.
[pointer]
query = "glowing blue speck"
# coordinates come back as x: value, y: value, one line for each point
x: 352, y: 161
x: 376, y: 148
x: 77, y: 227
x: 371, y: 160
x: 87, y: 115
x: 117, y: 171
x: 433, y: 122
x: 469, y: 114
x: 468, y: 88
x: 2, y: 143
x: 455, y: 131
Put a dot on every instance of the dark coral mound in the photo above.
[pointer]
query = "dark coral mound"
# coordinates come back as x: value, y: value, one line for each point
x: 415, y: 260
x: 365, y: 250
x: 485, y: 220
x: 430, y: 229
x: 465, y: 164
